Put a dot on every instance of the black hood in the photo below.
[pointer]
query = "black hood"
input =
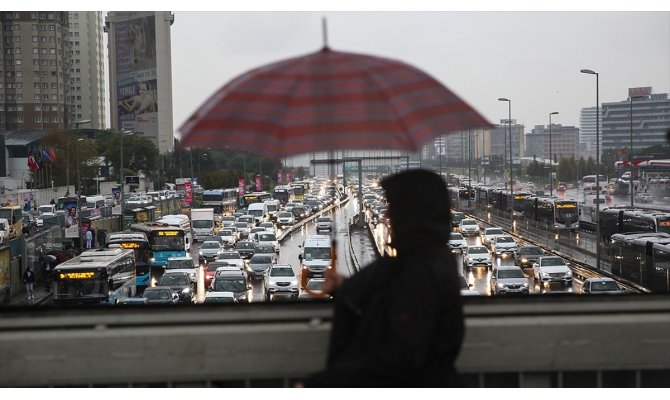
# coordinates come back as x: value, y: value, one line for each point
x: 418, y: 209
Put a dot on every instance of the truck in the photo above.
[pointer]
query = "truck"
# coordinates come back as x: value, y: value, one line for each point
x: 202, y: 223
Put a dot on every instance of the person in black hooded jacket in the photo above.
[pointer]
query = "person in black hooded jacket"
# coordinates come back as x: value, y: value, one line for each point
x: 399, y: 321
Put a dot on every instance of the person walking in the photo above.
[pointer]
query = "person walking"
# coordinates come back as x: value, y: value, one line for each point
x: 29, y: 281
x: 89, y: 239
x: 398, y: 322
x: 102, y: 238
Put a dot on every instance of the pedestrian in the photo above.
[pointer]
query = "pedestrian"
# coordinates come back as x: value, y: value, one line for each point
x: 29, y: 281
x: 93, y: 237
x: 89, y: 239
x: 102, y: 238
x: 52, y: 201
x: 398, y: 322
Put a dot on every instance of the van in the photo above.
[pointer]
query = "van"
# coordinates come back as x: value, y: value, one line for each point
x: 95, y: 201
x: 47, y: 208
x: 259, y: 211
x: 315, y: 255
x: 272, y: 209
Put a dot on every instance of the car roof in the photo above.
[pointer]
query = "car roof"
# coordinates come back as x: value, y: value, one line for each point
x: 283, y: 266
x: 175, y: 272
x: 507, y: 267
x: 219, y: 294
x: 599, y: 280
x: 180, y: 258
x: 494, y: 227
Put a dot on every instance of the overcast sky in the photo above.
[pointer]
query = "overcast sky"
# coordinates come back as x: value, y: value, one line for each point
x: 532, y: 58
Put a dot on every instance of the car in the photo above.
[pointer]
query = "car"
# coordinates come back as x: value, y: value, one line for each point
x: 285, y: 218
x: 230, y: 279
x: 268, y: 238
x: 182, y: 264
x: 476, y: 256
x: 209, y: 250
x: 526, y: 255
x: 249, y: 219
x: 489, y: 234
x: 562, y: 186
x: 227, y: 220
x: 299, y: 212
x: 468, y: 226
x: 466, y: 288
x: 601, y: 286
x: 259, y: 265
x: 456, y: 242
x: 160, y: 295
x: 315, y: 285
x: 324, y: 224
x: 50, y: 219
x: 242, y: 230
x: 180, y: 282
x: 134, y: 301
x: 231, y: 257
x: 644, y: 198
x: 214, y: 238
x: 281, y: 281
x: 503, y: 245
x: 219, y: 297
x: 246, y: 248
x: 29, y: 224
x: 269, y: 227
x: 551, y: 269
x: 210, y: 271
x: 228, y: 235
x: 456, y: 218
x: 255, y: 231
x: 506, y: 279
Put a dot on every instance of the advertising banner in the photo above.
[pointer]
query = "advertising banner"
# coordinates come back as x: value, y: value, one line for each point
x: 71, y: 219
x: 5, y: 256
x: 279, y: 177
x: 241, y: 185
x: 188, y: 192
x: 116, y: 196
x: 136, y: 73
x: 289, y: 177
x: 259, y: 184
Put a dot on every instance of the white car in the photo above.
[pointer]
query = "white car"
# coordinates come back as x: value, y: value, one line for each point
x: 456, y: 242
x: 228, y: 235
x: 268, y: 238
x: 254, y: 231
x: 502, y: 245
x: 601, y: 286
x: 324, y: 224
x: 220, y: 297
x: 466, y: 288
x: 507, y: 279
x: 552, y: 269
x: 269, y: 227
x: 231, y: 257
x: 39, y: 220
x: 489, y: 234
x: 285, y: 218
x: 476, y: 256
x: 182, y: 264
x: 281, y: 280
x: 468, y: 226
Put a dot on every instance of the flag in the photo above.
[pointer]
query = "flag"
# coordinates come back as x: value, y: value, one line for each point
x: 45, y: 156
x: 52, y: 154
x: 32, y: 164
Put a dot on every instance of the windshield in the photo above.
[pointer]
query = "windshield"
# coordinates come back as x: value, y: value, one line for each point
x: 531, y: 251
x: 211, y: 267
x: 256, y: 213
x: 510, y: 273
x: 494, y: 232
x: 315, y: 284
x: 229, y: 285
x: 241, y: 225
x: 323, y: 220
x: 478, y: 250
x: 228, y: 218
x: 217, y: 299
x: 285, y: 215
x: 157, y: 294
x: 272, y: 207
x: 201, y: 223
x: 317, y: 253
x: 604, y: 286
x: 246, y: 219
x: 229, y: 256
x: 244, y: 245
x: 167, y: 243
x: 261, y: 260
x: 178, y: 264
x: 173, y: 279
x: 469, y: 222
x: 267, y: 237
x: 282, y: 272
x: 225, y: 232
x: 455, y: 236
x: 210, y: 245
x: 504, y: 239
x: 552, y: 262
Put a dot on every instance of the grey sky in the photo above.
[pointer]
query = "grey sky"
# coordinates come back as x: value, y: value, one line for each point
x: 532, y: 58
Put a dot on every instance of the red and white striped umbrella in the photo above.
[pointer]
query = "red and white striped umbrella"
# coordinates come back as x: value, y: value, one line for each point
x: 329, y: 100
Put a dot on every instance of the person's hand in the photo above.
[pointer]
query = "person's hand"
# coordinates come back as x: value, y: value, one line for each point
x: 332, y: 281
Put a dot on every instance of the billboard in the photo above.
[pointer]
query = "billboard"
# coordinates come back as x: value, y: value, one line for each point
x: 136, y: 73
x: 71, y: 219
x: 639, y: 91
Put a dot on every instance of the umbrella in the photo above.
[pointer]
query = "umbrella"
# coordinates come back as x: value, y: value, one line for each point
x: 329, y: 100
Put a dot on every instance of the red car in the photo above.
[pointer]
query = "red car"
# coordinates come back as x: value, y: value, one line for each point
x: 562, y: 186
x: 210, y: 271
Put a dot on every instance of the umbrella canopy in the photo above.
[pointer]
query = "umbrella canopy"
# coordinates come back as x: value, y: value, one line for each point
x: 329, y: 100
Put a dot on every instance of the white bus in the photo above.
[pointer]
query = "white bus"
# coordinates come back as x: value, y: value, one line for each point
x: 589, y: 183
x: 180, y: 221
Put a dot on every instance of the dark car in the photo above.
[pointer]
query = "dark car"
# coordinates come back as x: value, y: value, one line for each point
x: 29, y: 224
x: 299, y: 213
x: 179, y: 282
x: 246, y: 248
x: 161, y: 295
x: 527, y: 255
x: 259, y: 265
x: 456, y: 218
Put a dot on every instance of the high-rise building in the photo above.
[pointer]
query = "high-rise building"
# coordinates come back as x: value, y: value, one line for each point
x: 564, y: 142
x: 34, y: 71
x: 500, y: 141
x: 587, y: 132
x: 649, y: 121
x: 140, y: 74
x: 87, y: 70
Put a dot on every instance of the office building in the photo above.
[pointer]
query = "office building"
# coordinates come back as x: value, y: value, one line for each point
x: 587, y: 132
x: 564, y: 142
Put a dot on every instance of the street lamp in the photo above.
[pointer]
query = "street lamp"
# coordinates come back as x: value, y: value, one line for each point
x: 511, y: 165
x: 123, y: 183
x: 67, y: 168
x: 78, y: 190
x: 630, y: 153
x: 551, y: 159
x: 590, y: 72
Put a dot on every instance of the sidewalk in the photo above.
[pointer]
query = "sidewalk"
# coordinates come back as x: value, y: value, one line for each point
x: 41, y: 297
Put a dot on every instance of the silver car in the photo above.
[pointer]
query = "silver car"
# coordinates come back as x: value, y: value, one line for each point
x: 552, y: 269
x: 468, y: 226
x: 476, y: 256
x: 209, y: 250
x: 456, y: 242
x: 503, y: 245
x: 508, y: 279
x: 324, y: 224
x: 281, y: 281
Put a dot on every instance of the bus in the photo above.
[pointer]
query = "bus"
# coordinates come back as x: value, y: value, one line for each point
x: 643, y: 259
x: 284, y: 193
x: 625, y: 220
x: 589, y: 183
x: 557, y: 213
x: 460, y: 197
x: 221, y: 200
x: 254, y: 197
x: 95, y: 276
x: 138, y: 242
x: 165, y: 241
x: 14, y: 217
x: 299, y: 190
x: 180, y: 221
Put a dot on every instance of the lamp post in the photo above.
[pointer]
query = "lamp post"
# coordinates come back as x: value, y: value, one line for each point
x: 551, y: 159
x: 630, y: 153
x: 590, y: 72
x: 67, y: 168
x: 511, y: 166
x: 160, y: 165
x: 78, y: 191
x: 123, y: 183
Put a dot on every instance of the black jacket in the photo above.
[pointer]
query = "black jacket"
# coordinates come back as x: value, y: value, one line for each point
x: 28, y: 277
x: 399, y: 321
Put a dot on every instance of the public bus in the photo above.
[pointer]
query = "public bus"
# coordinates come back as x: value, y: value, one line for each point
x: 180, y: 221
x: 589, y: 183
x: 461, y: 197
x: 165, y: 241
x: 557, y: 213
x: 501, y: 199
x: 254, y: 197
x: 14, y: 217
x: 95, y: 276
x: 138, y: 242
x: 643, y: 259
x: 624, y: 220
x: 284, y: 193
x: 221, y: 200
x: 299, y: 189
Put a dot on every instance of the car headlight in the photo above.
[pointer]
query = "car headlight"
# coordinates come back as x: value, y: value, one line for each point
x: 242, y: 297
x: 200, y: 252
x: 569, y: 273
x: 272, y: 283
x: 545, y: 274
x: 294, y: 282
x: 524, y: 260
x: 152, y: 259
x: 525, y: 284
x: 186, y: 290
x: 500, y: 285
